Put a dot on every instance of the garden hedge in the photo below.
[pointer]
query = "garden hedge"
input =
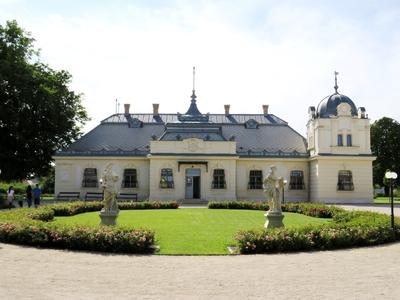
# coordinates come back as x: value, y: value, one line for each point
x: 34, y: 227
x: 347, y: 229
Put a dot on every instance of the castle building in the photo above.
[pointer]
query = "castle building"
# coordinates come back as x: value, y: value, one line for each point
x: 196, y: 157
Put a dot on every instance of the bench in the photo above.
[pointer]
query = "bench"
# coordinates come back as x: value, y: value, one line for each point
x: 68, y: 196
x: 91, y: 196
x: 127, y: 196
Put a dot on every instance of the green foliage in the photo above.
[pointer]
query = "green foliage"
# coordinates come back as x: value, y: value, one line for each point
x: 38, y: 112
x: 47, y: 182
x: 104, y: 238
x: 385, y: 142
x: 309, y: 209
x: 73, y: 208
x: 313, y: 238
x: 238, y: 205
x: 349, y: 229
x: 18, y: 186
x: 34, y: 227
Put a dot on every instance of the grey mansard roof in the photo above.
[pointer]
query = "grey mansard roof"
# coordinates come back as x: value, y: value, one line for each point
x: 130, y: 135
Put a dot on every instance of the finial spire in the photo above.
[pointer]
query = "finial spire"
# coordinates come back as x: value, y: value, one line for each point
x: 193, y: 91
x: 336, y: 86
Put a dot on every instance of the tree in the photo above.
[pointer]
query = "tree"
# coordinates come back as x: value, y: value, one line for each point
x: 385, y: 145
x: 38, y: 112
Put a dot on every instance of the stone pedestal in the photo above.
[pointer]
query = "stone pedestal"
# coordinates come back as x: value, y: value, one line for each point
x: 108, y: 217
x: 274, y: 219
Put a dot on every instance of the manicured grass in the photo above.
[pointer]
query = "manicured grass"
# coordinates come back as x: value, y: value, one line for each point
x: 386, y: 200
x: 192, y: 230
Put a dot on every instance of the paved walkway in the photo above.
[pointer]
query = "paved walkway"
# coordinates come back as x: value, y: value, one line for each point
x: 366, y: 273
x: 380, y: 208
x: 363, y: 273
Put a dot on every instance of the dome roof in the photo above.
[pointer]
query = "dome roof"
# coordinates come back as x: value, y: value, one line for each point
x: 328, y: 106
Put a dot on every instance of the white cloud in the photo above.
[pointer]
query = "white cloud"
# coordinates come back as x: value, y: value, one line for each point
x: 285, y: 57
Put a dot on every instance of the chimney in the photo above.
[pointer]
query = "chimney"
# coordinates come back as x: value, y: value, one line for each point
x: 126, y: 107
x: 155, y: 109
x: 227, y: 106
x: 265, y: 109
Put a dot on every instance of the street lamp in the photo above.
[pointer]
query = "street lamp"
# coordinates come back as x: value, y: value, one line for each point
x: 391, y: 176
x: 283, y: 190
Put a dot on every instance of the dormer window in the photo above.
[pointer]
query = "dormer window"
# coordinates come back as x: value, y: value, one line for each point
x: 251, y: 124
x: 349, y: 141
x: 340, y: 140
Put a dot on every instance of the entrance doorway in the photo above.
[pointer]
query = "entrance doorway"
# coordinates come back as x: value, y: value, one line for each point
x: 192, y: 184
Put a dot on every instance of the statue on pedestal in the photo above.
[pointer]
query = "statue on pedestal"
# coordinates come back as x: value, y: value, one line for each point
x: 108, y: 182
x: 273, y: 187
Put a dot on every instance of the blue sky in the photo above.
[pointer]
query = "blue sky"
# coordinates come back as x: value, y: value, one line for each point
x: 247, y: 53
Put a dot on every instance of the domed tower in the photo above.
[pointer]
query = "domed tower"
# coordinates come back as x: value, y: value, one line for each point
x: 338, y: 137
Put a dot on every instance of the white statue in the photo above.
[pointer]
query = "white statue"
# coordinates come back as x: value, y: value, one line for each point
x: 108, y: 182
x: 273, y: 186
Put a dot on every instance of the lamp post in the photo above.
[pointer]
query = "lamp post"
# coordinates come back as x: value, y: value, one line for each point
x: 391, y: 176
x: 283, y: 190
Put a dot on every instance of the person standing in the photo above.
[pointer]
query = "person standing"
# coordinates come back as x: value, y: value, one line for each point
x: 10, y: 196
x: 29, y: 195
x: 36, y: 195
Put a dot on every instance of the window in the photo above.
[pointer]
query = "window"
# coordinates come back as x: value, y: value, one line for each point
x: 345, y: 181
x: 130, y: 178
x: 255, y: 180
x: 219, y: 179
x: 340, y: 140
x: 90, y: 177
x: 296, y: 180
x: 167, y: 179
x: 349, y: 144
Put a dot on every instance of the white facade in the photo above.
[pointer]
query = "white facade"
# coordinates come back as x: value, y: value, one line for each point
x: 206, y: 161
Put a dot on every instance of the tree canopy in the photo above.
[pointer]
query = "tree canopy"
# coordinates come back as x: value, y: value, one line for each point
x: 39, y: 114
x: 385, y: 145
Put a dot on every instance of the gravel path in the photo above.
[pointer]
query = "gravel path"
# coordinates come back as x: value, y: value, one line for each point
x: 365, y: 273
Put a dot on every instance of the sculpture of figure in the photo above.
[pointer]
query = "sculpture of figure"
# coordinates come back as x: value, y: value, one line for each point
x: 273, y: 186
x: 108, y: 183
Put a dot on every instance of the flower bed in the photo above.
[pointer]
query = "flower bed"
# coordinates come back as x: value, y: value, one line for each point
x: 34, y: 227
x: 348, y: 229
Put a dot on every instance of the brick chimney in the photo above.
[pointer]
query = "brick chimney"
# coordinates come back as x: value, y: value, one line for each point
x: 126, y: 107
x: 265, y: 109
x: 226, y: 107
x: 155, y: 109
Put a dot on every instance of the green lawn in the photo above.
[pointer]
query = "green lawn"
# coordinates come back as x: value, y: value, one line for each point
x: 386, y: 200
x: 192, y: 230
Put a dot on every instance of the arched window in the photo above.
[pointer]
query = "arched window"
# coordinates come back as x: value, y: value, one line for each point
x: 345, y: 181
x: 219, y: 179
x: 130, y: 178
x: 167, y: 179
x: 296, y: 180
x: 255, y: 180
x: 90, y: 178
x: 349, y: 141
x: 340, y: 140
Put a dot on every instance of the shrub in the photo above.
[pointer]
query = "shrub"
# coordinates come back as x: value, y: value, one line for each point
x: 73, y: 208
x: 309, y: 209
x: 32, y: 227
x: 238, y: 205
x: 107, y: 239
x: 349, y: 229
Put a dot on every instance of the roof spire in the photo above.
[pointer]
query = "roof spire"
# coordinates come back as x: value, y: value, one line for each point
x: 336, y: 86
x: 193, y: 91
